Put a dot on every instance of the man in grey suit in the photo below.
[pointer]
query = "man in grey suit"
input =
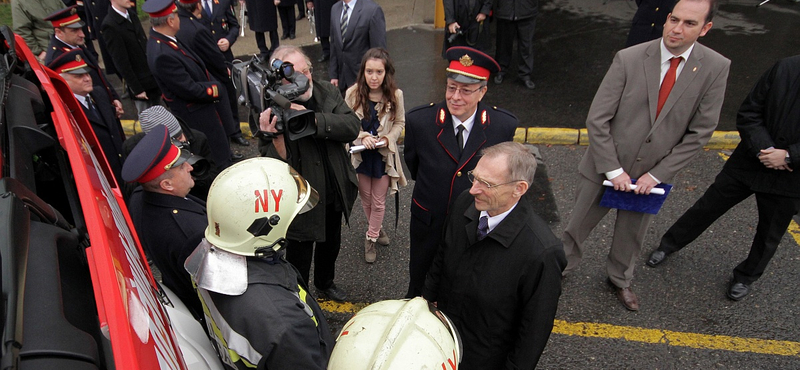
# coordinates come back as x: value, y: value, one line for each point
x: 356, y: 26
x: 655, y: 109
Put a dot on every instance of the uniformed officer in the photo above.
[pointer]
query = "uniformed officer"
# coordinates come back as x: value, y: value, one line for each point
x: 189, y: 90
x: 442, y: 142
x: 257, y: 306
x: 94, y: 102
x: 170, y: 221
x: 220, y: 18
x: 69, y: 35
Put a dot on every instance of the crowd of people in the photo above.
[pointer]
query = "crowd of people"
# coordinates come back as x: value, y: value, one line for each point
x: 478, y: 251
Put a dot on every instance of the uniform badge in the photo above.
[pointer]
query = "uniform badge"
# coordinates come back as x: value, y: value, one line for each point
x: 209, y: 92
x: 466, y: 60
x: 484, y: 118
x: 73, y: 11
x: 442, y: 115
x: 78, y: 58
x: 173, y: 44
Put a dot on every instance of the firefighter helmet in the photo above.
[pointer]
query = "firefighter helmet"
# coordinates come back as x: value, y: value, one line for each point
x: 397, y: 334
x: 251, y: 204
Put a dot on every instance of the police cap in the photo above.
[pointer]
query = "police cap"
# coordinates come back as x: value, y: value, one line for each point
x: 469, y: 66
x: 159, y: 8
x: 72, y: 62
x: 152, y: 156
x: 67, y: 17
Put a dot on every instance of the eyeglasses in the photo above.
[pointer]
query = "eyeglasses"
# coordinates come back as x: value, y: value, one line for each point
x: 464, y: 92
x: 472, y: 178
x: 309, y: 70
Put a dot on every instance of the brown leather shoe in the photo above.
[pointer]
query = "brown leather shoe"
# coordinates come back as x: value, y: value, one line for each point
x: 626, y: 296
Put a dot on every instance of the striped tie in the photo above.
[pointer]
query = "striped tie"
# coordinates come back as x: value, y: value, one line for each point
x: 345, y: 19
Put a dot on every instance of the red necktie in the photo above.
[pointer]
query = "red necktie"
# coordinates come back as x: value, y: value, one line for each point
x: 669, y: 81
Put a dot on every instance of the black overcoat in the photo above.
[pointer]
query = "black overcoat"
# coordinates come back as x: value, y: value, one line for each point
x: 262, y: 15
x: 127, y: 44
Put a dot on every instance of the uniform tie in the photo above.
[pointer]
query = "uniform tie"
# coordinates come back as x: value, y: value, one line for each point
x: 668, y: 83
x: 460, y: 138
x: 207, y: 4
x: 344, y: 21
x: 483, y: 227
x: 91, y: 108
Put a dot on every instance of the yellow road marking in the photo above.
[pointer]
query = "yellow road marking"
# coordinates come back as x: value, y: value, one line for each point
x: 344, y: 307
x: 674, y: 338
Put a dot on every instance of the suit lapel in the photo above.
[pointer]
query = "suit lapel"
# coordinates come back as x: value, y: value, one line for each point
x: 355, y: 17
x: 652, y: 71
x: 447, y: 136
x: 477, y: 137
x: 471, y: 226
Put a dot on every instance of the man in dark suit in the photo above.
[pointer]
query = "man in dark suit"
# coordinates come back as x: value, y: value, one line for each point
x: 355, y: 28
x: 497, y: 275
x: 170, y: 222
x: 199, y: 39
x: 762, y: 164
x: 648, y: 22
x: 69, y: 35
x: 219, y: 17
x: 127, y: 45
x: 96, y: 11
x: 98, y: 110
x: 190, y: 91
x: 516, y: 19
x: 439, y: 153
x: 262, y: 17
x: 322, y: 23
x: 655, y: 109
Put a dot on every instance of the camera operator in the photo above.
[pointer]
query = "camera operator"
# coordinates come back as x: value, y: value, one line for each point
x: 322, y: 159
x: 467, y: 24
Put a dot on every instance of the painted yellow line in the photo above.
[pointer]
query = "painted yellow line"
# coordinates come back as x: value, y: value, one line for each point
x: 554, y: 136
x: 344, y: 307
x: 679, y: 339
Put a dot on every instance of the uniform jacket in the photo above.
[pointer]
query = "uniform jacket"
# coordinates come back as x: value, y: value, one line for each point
x: 431, y: 153
x: 27, y: 20
x: 108, y: 131
x: 190, y: 91
x: 514, y: 10
x: 623, y: 128
x: 475, y: 34
x: 322, y: 16
x: 222, y: 23
x: 57, y: 47
x: 366, y: 29
x: 770, y: 117
x: 389, y: 129
x: 96, y: 12
x: 501, y: 292
x: 274, y: 324
x: 337, y: 126
x: 170, y: 228
x: 262, y: 16
x: 648, y: 22
x: 127, y: 45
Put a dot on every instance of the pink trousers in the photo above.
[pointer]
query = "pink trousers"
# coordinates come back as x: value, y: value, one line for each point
x: 373, y: 199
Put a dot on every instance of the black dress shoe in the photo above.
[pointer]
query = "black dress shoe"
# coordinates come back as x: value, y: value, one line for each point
x: 285, y: 36
x: 528, y: 83
x: 237, y: 157
x: 292, y: 36
x: 333, y: 293
x: 238, y: 140
x: 301, y: 16
x: 656, y: 258
x: 323, y: 58
x: 498, y: 79
x: 737, y: 290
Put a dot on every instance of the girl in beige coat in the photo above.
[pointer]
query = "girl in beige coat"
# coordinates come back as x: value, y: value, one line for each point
x: 378, y: 102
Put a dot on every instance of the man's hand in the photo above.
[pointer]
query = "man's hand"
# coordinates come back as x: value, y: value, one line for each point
x: 277, y: 2
x: 453, y: 27
x: 622, y: 182
x: 118, y: 108
x: 335, y: 82
x: 223, y: 44
x: 142, y: 96
x: 265, y: 123
x: 774, y: 159
x: 42, y: 55
x: 645, y: 183
x: 481, y: 17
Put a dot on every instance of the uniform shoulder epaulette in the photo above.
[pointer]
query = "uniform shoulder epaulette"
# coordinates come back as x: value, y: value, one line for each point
x: 420, y: 107
x: 501, y: 110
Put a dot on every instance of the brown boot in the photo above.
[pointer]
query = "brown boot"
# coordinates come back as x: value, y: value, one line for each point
x: 370, y: 252
x: 383, y: 239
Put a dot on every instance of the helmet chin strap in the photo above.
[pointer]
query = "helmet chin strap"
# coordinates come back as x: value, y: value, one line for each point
x: 270, y: 253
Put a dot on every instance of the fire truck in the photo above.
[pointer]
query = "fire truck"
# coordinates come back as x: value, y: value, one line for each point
x: 77, y: 290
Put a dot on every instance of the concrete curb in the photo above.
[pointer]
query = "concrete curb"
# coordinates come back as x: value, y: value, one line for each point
x: 530, y: 135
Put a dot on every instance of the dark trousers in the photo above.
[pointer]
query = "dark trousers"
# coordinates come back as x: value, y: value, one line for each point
x: 288, y: 21
x: 300, y: 253
x: 261, y: 41
x: 425, y: 240
x: 522, y: 31
x: 326, y: 45
x: 774, y: 215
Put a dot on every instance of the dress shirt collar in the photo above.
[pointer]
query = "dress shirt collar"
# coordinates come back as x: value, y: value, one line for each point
x: 496, y: 220
x: 123, y: 15
x: 82, y: 100
x: 468, y: 123
x: 66, y: 43
x: 666, y: 55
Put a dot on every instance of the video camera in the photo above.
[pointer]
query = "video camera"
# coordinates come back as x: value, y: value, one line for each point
x: 260, y: 86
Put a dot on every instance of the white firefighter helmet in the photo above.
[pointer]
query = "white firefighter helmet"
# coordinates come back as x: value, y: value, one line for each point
x: 397, y: 335
x: 252, y: 203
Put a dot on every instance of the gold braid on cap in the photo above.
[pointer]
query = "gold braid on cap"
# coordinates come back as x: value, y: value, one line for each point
x: 467, y: 74
x: 168, y: 166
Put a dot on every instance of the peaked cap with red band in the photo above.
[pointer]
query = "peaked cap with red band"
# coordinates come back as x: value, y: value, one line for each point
x: 152, y: 156
x: 67, y: 17
x: 469, y: 66
x: 159, y: 8
x: 72, y: 62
